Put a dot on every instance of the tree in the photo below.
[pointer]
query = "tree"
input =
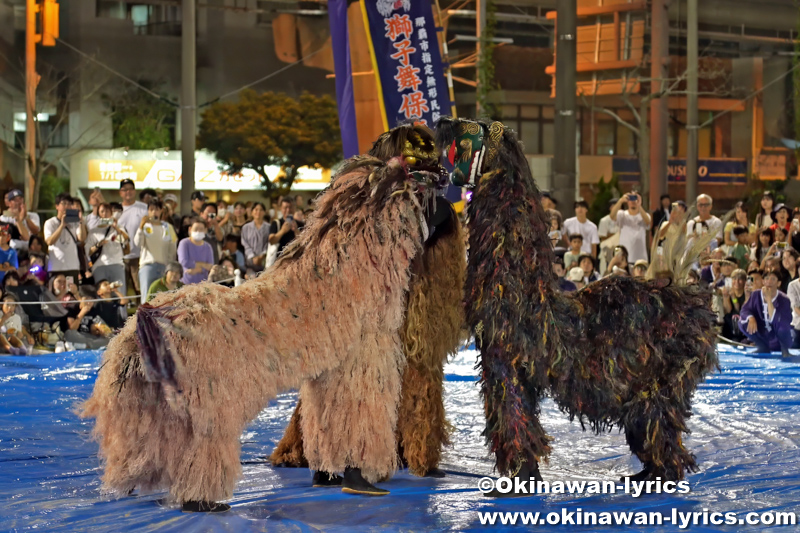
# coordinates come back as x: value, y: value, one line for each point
x: 139, y: 120
x: 714, y: 80
x: 56, y: 91
x: 272, y: 129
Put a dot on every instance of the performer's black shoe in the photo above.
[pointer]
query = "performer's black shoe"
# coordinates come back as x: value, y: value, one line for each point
x: 324, y: 479
x: 527, y: 472
x: 640, y: 476
x: 205, y: 507
x: 435, y: 472
x: 354, y: 483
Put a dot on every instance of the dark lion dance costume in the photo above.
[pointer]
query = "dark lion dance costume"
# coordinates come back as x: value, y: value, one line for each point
x: 431, y: 332
x: 622, y: 352
x: 183, y: 379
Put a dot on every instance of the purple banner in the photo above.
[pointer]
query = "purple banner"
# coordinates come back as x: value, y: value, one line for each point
x: 407, y: 60
x: 340, y: 39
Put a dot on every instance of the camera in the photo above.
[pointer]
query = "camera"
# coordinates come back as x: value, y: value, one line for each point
x: 212, y: 216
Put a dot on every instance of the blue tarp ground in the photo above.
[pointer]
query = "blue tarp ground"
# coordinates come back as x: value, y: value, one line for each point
x: 744, y: 432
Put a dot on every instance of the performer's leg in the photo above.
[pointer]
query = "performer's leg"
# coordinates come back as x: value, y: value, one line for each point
x: 289, y: 451
x: 431, y: 332
x: 352, y: 429
x: 653, y: 428
x: 513, y: 430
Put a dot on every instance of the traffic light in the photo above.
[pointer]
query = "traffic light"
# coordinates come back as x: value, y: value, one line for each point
x: 49, y: 12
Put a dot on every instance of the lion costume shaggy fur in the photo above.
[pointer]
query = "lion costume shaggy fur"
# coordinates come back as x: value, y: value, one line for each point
x: 431, y: 332
x: 621, y: 352
x: 180, y: 383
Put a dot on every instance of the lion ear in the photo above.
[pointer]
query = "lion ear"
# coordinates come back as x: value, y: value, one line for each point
x: 451, y: 153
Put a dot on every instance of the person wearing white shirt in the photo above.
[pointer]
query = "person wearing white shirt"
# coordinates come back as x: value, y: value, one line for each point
x: 17, y: 215
x: 158, y: 244
x: 580, y: 224
x: 704, y: 205
x: 132, y: 213
x: 633, y: 226
x: 63, y: 238
x: 107, y: 239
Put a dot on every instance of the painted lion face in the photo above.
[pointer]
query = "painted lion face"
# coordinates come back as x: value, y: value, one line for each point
x: 466, y: 154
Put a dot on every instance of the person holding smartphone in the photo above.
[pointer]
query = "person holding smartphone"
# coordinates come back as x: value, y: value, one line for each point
x: 633, y: 226
x: 62, y: 238
x: 283, y: 230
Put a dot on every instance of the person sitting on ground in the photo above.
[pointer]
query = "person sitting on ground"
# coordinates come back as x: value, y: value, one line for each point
x: 766, y: 318
x: 576, y: 276
x: 14, y: 338
x: 558, y: 269
x: 574, y: 252
x: 733, y: 299
x: 80, y: 326
x: 195, y: 254
x: 794, y: 298
x: 640, y: 268
x: 231, y: 245
x: 223, y: 272
x: 619, y: 263
x: 726, y: 268
x: 710, y: 273
x: 586, y: 262
x: 169, y: 282
x: 109, y: 310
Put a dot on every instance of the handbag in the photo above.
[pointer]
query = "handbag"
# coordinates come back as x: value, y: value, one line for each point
x: 81, y: 253
x: 97, y: 253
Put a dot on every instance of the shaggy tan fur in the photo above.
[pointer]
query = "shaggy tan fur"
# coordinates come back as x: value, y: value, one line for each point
x: 329, y: 311
x: 432, y: 330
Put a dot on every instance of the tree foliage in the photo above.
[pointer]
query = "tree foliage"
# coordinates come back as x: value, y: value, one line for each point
x: 272, y: 129
x: 139, y: 120
x: 604, y: 193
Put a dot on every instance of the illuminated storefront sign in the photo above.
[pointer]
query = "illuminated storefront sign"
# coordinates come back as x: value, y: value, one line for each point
x: 166, y: 175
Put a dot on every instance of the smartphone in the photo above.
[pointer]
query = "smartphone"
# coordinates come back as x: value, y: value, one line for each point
x: 728, y: 283
x: 106, y: 221
x: 290, y: 218
x: 70, y: 281
x: 632, y: 197
x: 781, y: 244
x: 73, y: 215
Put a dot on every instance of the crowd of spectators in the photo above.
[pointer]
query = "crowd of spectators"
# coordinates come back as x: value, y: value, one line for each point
x: 73, y: 280
x: 750, y: 266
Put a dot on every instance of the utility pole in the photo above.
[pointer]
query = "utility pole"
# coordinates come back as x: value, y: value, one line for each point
x: 692, y: 119
x: 480, y: 28
x: 31, y: 82
x: 565, y: 125
x: 659, y: 106
x: 188, y: 101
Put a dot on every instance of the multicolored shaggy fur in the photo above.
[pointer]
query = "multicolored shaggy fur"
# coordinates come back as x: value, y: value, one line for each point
x: 622, y: 352
x: 224, y: 353
x: 430, y: 333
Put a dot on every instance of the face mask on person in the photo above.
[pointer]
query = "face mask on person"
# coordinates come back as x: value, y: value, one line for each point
x: 198, y: 235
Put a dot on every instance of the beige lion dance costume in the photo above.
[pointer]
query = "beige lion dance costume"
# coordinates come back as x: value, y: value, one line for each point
x: 181, y: 381
x: 431, y: 333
